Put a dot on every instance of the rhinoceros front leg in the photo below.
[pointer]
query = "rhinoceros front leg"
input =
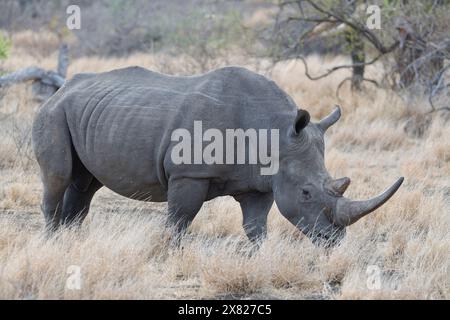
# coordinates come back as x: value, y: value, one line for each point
x: 255, y: 208
x: 185, y: 198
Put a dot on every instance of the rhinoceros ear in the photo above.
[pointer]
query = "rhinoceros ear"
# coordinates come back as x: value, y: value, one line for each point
x: 301, y: 121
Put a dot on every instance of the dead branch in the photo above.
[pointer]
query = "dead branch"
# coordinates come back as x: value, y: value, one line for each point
x: 338, y: 89
x: 32, y: 74
x: 63, y: 60
x: 433, y: 90
x: 343, y: 17
x: 334, y: 69
x: 48, y: 79
x: 359, y: 27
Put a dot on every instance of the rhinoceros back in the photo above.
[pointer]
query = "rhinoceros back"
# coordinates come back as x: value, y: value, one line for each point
x: 121, y: 121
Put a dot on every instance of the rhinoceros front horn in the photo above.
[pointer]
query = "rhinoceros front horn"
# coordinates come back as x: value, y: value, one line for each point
x: 331, y: 119
x: 349, y: 211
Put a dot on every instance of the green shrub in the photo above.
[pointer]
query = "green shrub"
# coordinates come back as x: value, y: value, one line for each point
x: 5, y: 45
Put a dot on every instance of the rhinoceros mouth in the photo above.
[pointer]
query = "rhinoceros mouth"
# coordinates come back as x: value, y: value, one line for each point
x: 329, y: 237
x: 328, y: 212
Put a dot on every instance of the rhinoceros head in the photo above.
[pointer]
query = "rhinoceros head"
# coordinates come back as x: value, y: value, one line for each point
x: 304, y: 191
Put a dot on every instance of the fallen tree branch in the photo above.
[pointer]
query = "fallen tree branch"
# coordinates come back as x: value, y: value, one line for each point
x: 32, y: 74
x: 63, y: 60
x: 50, y: 79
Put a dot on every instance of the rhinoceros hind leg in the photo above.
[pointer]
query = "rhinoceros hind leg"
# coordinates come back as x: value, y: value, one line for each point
x: 53, y: 149
x: 255, y: 208
x: 54, y: 188
x: 77, y: 202
x: 185, y: 198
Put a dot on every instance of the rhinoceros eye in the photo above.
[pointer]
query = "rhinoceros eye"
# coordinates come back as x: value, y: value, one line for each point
x: 306, y: 194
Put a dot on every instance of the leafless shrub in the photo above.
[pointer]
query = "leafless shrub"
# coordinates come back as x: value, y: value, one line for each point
x: 21, y: 135
x: 413, y: 42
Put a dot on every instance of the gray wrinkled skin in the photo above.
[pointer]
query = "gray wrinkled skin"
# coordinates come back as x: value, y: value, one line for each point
x: 113, y: 129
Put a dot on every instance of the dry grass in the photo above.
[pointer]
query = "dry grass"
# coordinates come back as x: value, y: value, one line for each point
x: 124, y: 251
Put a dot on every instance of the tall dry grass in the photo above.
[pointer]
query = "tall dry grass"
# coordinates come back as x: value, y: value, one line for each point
x: 124, y: 251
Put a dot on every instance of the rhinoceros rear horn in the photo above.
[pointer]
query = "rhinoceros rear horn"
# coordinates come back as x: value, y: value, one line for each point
x: 349, y: 211
x: 339, y: 185
x: 301, y: 120
x: 331, y: 119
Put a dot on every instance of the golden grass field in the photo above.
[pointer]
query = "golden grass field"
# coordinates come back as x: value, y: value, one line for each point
x: 123, y: 247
